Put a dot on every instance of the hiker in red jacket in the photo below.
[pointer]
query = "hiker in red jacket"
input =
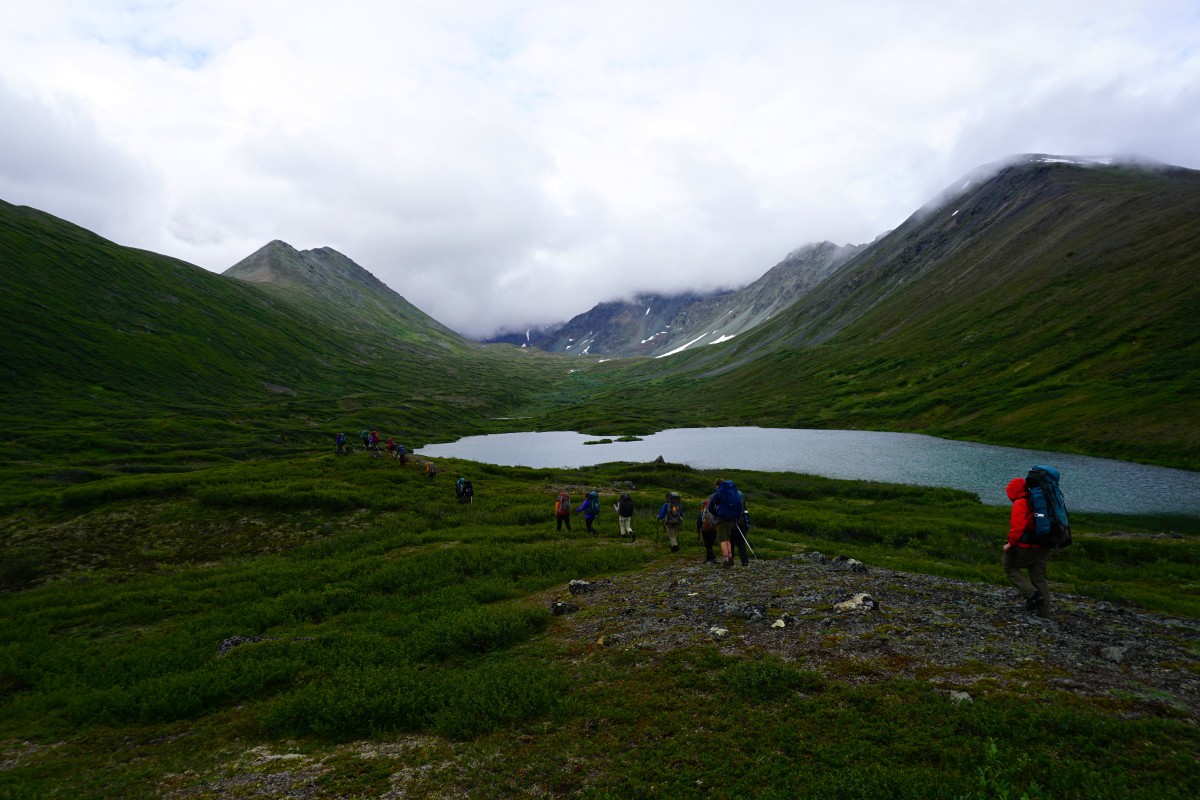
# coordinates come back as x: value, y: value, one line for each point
x: 1019, y: 555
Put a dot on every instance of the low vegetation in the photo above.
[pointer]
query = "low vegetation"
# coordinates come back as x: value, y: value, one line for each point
x: 198, y: 599
x: 344, y: 625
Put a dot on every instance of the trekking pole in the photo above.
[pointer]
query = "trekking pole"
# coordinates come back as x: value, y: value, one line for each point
x: 746, y: 539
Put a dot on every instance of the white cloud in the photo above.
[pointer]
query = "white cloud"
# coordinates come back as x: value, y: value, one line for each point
x: 517, y: 162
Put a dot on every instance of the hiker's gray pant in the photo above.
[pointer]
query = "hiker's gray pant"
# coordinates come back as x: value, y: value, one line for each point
x: 672, y: 532
x: 1034, y: 560
x: 626, y: 524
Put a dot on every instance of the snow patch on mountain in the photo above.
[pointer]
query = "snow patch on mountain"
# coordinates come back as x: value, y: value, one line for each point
x: 683, y: 347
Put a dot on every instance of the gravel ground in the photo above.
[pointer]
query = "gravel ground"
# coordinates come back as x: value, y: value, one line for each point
x: 964, y: 636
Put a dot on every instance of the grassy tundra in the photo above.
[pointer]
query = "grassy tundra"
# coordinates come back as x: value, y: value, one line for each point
x: 404, y: 640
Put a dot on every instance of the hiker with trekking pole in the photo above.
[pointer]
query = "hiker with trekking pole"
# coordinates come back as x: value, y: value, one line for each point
x: 727, y: 505
x: 739, y: 538
x: 590, y: 507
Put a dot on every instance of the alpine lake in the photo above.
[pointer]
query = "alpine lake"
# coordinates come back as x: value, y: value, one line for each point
x: 1088, y: 483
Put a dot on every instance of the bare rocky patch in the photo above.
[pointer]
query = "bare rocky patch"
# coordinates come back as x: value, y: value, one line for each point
x: 963, y: 636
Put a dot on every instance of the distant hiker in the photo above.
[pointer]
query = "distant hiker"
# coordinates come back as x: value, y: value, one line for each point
x: 374, y: 439
x: 341, y: 444
x: 1024, y: 555
x: 366, y: 439
x: 671, y: 514
x: 430, y: 470
x: 624, y: 509
x: 562, y: 511
x: 591, y: 509
x: 706, y: 528
x: 464, y: 491
x: 391, y: 446
x: 726, y: 505
x: 401, y: 454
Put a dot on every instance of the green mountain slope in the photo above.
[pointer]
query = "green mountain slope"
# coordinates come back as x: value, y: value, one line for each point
x: 331, y: 287
x: 1051, y: 305
x: 120, y: 359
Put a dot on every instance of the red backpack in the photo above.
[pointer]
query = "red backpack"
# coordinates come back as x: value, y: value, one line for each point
x: 563, y: 507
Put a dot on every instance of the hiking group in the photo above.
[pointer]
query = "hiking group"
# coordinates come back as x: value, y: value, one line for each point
x: 723, y: 519
x: 1038, y: 525
x: 590, y: 508
x: 370, y: 444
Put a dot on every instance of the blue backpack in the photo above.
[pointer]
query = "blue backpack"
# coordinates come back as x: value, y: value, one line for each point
x: 727, y: 502
x: 593, y: 503
x: 1051, y: 523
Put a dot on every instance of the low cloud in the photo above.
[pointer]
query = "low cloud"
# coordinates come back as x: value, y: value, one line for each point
x: 511, y: 163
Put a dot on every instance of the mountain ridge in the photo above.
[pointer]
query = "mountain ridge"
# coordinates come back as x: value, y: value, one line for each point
x: 1051, y: 306
x: 332, y: 286
x: 655, y: 325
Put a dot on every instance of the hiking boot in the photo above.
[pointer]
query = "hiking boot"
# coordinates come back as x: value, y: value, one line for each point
x: 1032, y: 604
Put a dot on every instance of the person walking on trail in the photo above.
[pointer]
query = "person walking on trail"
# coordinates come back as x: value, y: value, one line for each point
x: 366, y: 439
x: 340, y: 439
x: 671, y: 514
x: 726, y: 506
x: 591, y: 509
x: 624, y: 509
x: 1022, y: 555
x: 562, y: 512
x: 737, y: 535
x: 706, y: 529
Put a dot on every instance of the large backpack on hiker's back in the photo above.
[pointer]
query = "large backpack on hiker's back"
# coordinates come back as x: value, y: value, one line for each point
x: 625, y: 506
x: 674, y: 509
x: 708, y: 523
x: 593, y: 502
x: 729, y: 504
x: 562, y: 508
x: 1051, y: 523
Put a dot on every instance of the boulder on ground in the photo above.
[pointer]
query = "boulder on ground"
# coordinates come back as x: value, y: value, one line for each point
x: 859, y: 602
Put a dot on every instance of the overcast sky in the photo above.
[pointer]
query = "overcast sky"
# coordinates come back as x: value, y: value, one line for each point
x: 502, y: 163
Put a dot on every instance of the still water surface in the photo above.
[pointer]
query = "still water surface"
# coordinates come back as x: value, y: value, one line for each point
x: 1090, y: 484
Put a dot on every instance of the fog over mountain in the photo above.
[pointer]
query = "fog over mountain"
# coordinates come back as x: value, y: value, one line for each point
x: 661, y: 325
x: 503, y: 163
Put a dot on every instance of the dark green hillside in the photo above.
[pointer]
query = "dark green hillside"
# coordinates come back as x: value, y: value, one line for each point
x: 120, y: 359
x: 1057, y: 308
x: 331, y: 287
